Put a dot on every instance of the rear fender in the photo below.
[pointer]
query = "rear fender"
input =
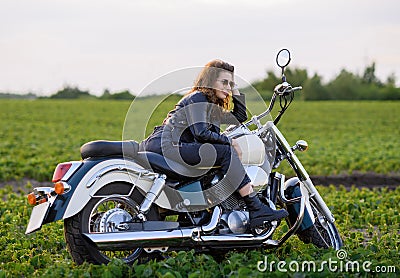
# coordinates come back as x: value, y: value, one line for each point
x: 94, y: 183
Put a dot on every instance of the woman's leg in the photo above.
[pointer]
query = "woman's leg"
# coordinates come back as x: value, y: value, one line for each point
x: 207, y: 155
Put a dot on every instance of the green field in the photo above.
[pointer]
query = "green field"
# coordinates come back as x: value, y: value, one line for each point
x: 343, y: 137
x: 369, y: 227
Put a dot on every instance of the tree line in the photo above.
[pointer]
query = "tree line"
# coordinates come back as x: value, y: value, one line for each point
x: 73, y: 92
x: 69, y: 92
x: 345, y: 86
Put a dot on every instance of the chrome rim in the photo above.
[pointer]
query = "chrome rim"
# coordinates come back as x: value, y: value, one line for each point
x: 108, y: 216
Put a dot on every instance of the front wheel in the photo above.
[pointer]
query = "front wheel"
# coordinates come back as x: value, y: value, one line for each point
x: 103, y: 214
x: 323, y: 233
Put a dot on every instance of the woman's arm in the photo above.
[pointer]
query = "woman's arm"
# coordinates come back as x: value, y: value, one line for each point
x: 197, y: 114
x: 238, y: 114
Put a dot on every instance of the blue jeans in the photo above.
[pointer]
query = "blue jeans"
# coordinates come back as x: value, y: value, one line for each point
x: 204, y: 155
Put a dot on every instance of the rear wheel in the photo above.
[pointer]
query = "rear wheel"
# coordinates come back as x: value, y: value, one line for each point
x: 100, y: 215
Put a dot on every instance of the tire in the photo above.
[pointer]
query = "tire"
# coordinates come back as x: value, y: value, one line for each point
x: 95, y: 217
x: 322, y: 234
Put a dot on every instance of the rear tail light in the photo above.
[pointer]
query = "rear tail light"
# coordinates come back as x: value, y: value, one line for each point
x: 60, y: 171
x: 61, y: 174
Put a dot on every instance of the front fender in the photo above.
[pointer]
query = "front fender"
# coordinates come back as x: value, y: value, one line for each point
x: 294, y: 188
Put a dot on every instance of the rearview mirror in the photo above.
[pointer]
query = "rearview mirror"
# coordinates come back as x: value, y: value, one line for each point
x: 283, y: 58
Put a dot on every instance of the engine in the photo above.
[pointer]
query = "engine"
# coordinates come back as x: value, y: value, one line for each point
x: 236, y: 222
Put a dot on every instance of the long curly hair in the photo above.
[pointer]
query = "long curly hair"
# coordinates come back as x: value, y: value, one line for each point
x: 206, y: 79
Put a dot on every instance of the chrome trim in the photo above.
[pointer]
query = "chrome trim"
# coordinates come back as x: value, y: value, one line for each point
x: 239, y: 239
x: 186, y: 237
x: 300, y: 216
x: 271, y: 242
x: 152, y: 194
x: 179, y: 237
x: 162, y: 249
x: 319, y: 202
x: 145, y: 239
x: 75, y: 165
x: 117, y: 167
x: 282, y: 190
x: 332, y: 237
x: 46, y: 190
x: 212, y: 225
x: 298, y: 222
x: 301, y: 146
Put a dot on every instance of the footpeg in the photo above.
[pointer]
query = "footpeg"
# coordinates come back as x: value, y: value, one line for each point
x: 271, y: 242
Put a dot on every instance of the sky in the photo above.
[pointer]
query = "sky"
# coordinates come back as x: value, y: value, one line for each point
x: 127, y: 44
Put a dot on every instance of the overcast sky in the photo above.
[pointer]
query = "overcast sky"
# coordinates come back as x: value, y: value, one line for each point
x: 126, y: 44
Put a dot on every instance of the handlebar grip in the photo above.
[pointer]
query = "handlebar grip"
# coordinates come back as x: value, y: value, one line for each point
x: 297, y: 88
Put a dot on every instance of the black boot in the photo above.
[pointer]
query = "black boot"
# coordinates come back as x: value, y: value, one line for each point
x: 260, y: 212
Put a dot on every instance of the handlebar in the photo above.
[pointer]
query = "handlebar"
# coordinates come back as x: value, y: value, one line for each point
x: 281, y: 90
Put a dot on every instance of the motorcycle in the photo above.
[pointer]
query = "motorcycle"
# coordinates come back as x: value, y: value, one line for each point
x: 114, y: 202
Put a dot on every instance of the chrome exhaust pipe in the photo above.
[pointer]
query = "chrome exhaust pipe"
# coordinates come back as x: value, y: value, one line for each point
x: 239, y: 239
x: 130, y: 240
x: 187, y: 237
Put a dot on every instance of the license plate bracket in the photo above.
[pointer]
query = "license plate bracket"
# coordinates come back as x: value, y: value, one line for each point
x: 38, y: 214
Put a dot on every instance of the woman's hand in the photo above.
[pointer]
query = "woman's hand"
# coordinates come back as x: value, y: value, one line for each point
x: 237, y: 148
x: 235, y: 91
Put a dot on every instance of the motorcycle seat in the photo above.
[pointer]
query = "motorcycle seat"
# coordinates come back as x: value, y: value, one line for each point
x: 154, y: 161
x: 103, y: 148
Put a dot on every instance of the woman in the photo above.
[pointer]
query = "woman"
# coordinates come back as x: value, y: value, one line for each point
x: 190, y: 134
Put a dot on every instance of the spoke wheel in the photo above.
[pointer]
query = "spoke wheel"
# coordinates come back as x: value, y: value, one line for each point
x: 108, y: 216
x: 104, y: 215
x: 322, y: 234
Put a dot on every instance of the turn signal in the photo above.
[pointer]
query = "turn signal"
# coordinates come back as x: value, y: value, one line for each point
x: 59, y: 188
x: 32, y: 199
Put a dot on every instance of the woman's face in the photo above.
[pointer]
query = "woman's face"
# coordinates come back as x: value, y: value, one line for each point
x: 223, y: 83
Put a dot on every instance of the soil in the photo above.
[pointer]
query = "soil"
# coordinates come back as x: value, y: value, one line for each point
x: 357, y: 179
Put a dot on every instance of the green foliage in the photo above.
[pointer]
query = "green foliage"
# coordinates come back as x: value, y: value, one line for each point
x: 124, y: 95
x: 69, y: 92
x: 17, y: 96
x: 367, y: 220
x: 313, y: 89
x: 345, y: 86
x: 343, y: 137
x: 37, y: 135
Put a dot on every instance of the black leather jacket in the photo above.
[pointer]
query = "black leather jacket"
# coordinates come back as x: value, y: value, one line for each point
x: 194, y: 119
